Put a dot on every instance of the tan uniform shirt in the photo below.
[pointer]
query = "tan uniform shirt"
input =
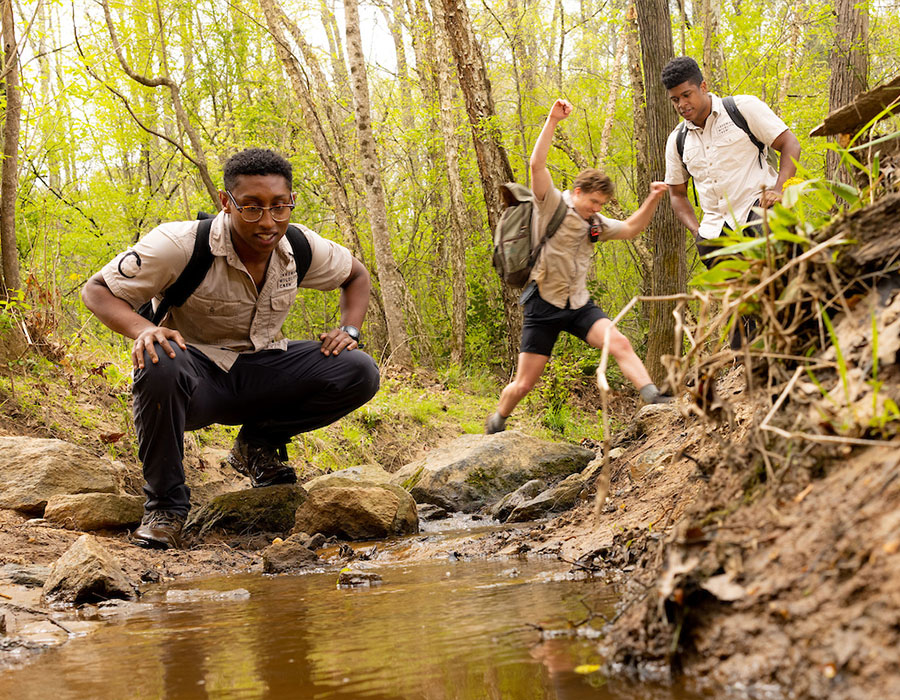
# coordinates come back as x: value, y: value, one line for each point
x: 562, y: 267
x: 724, y: 162
x: 226, y: 315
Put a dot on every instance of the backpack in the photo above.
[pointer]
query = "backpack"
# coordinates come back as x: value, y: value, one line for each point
x: 739, y: 122
x: 514, y: 256
x: 202, y: 259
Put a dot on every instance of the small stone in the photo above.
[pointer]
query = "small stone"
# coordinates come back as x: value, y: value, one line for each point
x: 197, y: 595
x: 349, y: 578
x: 289, y: 554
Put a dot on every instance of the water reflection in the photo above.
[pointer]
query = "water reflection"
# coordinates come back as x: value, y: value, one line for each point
x: 437, y: 631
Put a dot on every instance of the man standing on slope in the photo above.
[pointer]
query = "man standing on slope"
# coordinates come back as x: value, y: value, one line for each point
x: 556, y: 298
x: 731, y: 174
x: 220, y: 356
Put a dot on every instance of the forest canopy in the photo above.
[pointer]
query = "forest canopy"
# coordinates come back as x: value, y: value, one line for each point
x: 129, y: 110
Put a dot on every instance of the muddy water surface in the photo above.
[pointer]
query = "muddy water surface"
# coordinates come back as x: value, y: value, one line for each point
x: 432, y: 631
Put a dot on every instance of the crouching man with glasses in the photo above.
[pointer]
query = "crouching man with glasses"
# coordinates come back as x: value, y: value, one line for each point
x: 220, y: 357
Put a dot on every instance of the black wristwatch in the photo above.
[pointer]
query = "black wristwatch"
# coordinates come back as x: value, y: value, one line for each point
x: 354, y: 333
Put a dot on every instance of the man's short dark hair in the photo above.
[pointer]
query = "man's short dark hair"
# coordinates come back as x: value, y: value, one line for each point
x: 679, y: 70
x: 257, y: 161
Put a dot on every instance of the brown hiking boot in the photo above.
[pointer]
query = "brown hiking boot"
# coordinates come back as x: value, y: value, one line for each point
x: 263, y: 464
x: 160, y: 529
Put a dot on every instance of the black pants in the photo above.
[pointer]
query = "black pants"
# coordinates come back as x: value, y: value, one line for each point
x: 273, y: 394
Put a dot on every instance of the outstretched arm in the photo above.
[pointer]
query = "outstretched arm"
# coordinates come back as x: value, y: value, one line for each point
x: 354, y: 302
x: 541, y: 181
x: 638, y: 221
x: 117, y: 314
x: 788, y: 148
x: 684, y: 212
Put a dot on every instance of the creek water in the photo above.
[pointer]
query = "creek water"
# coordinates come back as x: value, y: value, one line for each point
x: 432, y: 630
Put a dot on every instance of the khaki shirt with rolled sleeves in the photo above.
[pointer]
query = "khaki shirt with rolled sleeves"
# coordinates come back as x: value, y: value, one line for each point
x: 562, y: 267
x: 226, y: 315
x: 724, y: 162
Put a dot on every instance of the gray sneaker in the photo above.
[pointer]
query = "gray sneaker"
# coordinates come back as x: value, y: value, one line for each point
x: 495, y: 423
x: 262, y: 463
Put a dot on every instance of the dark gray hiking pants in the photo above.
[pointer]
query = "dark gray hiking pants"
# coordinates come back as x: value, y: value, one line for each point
x: 273, y: 394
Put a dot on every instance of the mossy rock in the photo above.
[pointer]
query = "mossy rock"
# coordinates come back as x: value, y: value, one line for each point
x: 267, y: 509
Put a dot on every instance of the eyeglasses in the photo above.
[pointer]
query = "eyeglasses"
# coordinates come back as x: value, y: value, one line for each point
x: 252, y: 214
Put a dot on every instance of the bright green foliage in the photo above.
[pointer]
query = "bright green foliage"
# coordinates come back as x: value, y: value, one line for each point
x: 93, y: 179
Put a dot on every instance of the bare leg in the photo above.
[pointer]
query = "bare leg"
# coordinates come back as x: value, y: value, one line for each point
x: 620, y: 348
x: 528, y: 371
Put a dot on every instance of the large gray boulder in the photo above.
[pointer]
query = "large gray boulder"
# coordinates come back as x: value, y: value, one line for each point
x: 358, y: 511
x: 476, y: 470
x: 267, y: 509
x: 86, y: 573
x: 94, y: 511
x: 33, y: 470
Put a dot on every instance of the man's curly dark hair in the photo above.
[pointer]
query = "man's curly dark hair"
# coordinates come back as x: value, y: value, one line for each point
x: 679, y: 70
x: 257, y: 161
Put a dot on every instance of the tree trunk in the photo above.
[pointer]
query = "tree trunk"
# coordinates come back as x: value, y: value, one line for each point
x: 641, y: 175
x: 458, y: 212
x: 493, y: 163
x: 614, y: 89
x: 666, y: 234
x: 9, y: 177
x: 794, y: 16
x: 713, y: 58
x: 388, y: 273
x: 849, y: 65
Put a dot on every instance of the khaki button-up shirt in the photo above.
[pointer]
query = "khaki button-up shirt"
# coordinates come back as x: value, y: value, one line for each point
x: 226, y: 315
x: 562, y: 267
x: 724, y: 162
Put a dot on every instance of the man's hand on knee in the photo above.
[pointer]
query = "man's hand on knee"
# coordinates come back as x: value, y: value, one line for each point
x: 336, y: 340
x: 147, y: 341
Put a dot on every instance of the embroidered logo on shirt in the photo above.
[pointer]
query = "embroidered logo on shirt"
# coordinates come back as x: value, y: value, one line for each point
x: 287, y: 280
x: 724, y: 126
x: 129, y: 264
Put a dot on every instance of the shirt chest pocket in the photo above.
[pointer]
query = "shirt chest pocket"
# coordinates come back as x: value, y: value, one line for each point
x: 214, y: 321
x: 281, y: 302
x: 695, y: 159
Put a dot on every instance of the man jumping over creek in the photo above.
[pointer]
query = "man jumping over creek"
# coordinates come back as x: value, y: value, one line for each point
x: 556, y: 298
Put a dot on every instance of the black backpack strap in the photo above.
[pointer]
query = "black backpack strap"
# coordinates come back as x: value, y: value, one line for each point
x: 302, y: 251
x: 741, y: 123
x: 192, y: 275
x: 552, y: 227
x: 679, y: 143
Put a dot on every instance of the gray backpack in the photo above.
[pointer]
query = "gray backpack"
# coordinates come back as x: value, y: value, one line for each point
x: 514, y: 256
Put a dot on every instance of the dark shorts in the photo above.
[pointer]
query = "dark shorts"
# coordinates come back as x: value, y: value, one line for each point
x: 544, y: 322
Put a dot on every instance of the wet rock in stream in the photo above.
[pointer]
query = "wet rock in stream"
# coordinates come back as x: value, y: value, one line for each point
x: 290, y: 554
